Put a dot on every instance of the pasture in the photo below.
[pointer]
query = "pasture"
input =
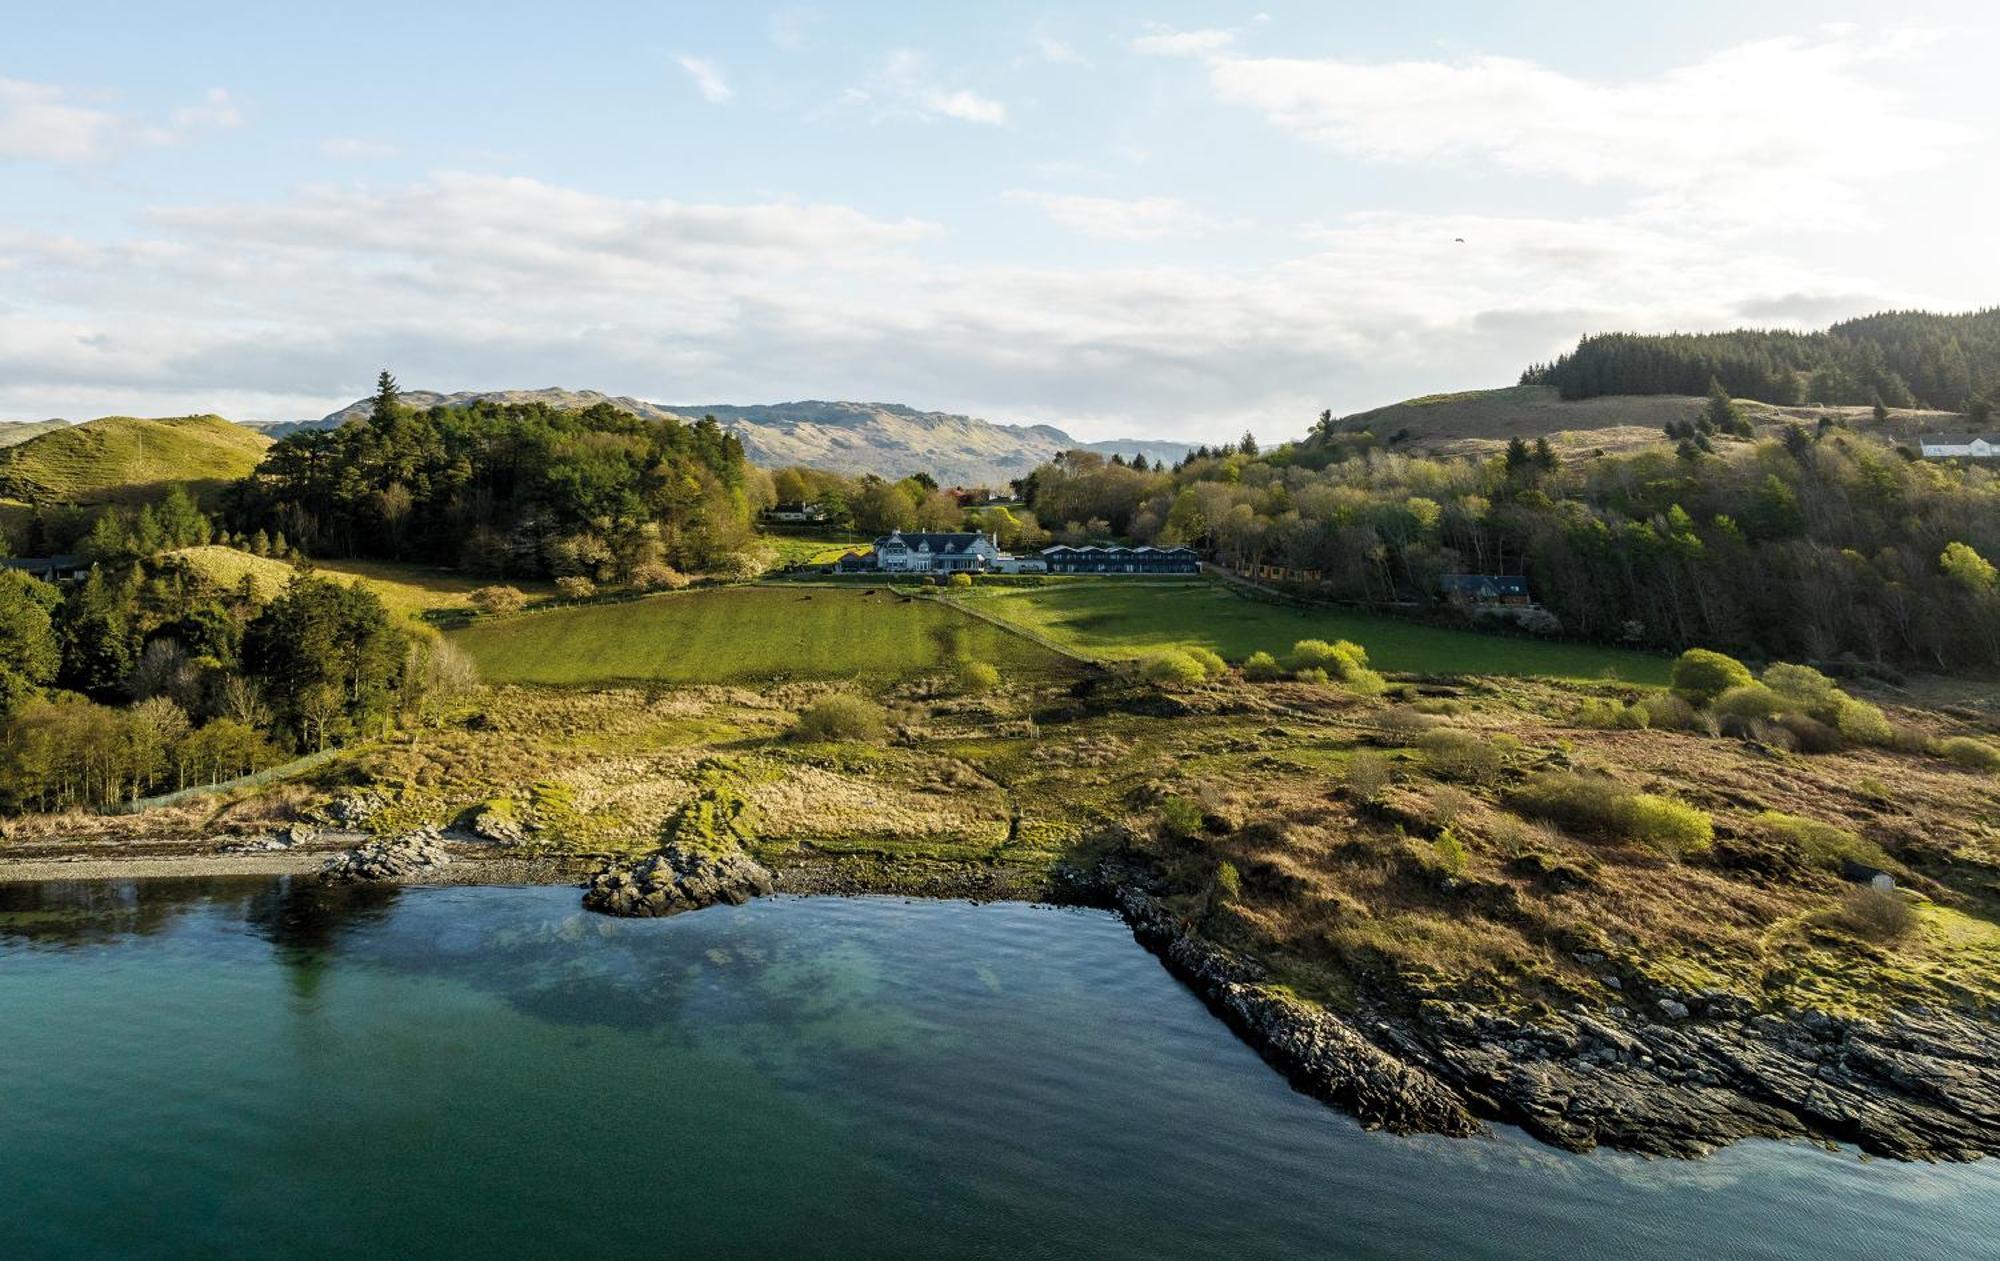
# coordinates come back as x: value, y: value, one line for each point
x: 1113, y: 617
x: 741, y: 635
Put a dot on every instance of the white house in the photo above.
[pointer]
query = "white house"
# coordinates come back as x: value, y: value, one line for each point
x: 1948, y: 446
x: 800, y: 513
x: 901, y: 553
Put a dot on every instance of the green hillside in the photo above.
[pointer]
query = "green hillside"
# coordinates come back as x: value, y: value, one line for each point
x: 125, y: 459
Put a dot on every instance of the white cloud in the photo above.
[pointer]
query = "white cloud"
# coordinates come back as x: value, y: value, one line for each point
x: 906, y: 85
x: 1169, y: 43
x: 1056, y: 51
x: 707, y: 78
x: 353, y: 148
x: 46, y: 123
x: 1122, y: 218
x: 461, y: 281
x: 1781, y: 129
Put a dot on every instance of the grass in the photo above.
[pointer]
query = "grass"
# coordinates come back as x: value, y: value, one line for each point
x: 796, y: 549
x: 1116, y: 618
x: 742, y: 634
x: 124, y: 459
x: 407, y: 590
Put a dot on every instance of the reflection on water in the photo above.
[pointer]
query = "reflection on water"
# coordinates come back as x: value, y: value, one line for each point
x: 268, y: 1067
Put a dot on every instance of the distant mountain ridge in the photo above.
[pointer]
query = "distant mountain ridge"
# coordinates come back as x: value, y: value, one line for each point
x: 889, y: 439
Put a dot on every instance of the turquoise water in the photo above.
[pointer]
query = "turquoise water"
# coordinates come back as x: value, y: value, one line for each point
x: 262, y: 1069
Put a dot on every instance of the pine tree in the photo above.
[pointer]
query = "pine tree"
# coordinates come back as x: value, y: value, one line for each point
x: 1518, y: 455
x: 1721, y: 410
x: 388, y: 396
x: 1881, y: 408
x: 1545, y: 456
x: 1249, y: 444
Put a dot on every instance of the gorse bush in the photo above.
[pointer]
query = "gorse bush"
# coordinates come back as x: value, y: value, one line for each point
x: 1747, y: 701
x: 978, y: 676
x: 1172, y: 668
x: 1823, y: 845
x: 1699, y: 676
x: 1877, y: 915
x: 1262, y: 667
x: 1208, y: 659
x: 1311, y: 674
x: 1595, y: 806
x: 1968, y: 752
x: 1460, y: 755
x: 498, y: 599
x: 1451, y: 853
x: 961, y: 581
x: 841, y: 717
x: 1180, y: 817
x: 1613, y: 715
x: 1668, y: 712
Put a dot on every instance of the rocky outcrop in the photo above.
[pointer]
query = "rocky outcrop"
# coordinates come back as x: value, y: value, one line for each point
x: 412, y: 857
x: 498, y: 827
x: 1682, y: 1075
x: 1318, y: 1051
x: 677, y: 878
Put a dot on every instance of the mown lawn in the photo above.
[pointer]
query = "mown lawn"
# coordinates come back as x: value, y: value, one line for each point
x: 742, y: 634
x: 1114, y: 617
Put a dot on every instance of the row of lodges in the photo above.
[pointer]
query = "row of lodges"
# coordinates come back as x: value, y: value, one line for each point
x: 900, y: 553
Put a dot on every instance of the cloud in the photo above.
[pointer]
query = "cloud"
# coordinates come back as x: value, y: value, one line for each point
x: 1056, y: 51
x: 289, y: 306
x: 905, y: 85
x: 1781, y: 129
x: 707, y: 78
x: 1122, y: 219
x: 789, y: 28
x: 1169, y: 43
x: 45, y: 123
x: 356, y: 149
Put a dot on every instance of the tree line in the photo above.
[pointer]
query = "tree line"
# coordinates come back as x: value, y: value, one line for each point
x: 1824, y: 545
x: 1893, y: 359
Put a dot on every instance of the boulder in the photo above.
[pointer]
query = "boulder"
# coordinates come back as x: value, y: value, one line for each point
x: 677, y: 878
x: 413, y: 856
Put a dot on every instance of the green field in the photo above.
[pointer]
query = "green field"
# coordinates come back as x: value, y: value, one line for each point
x: 125, y: 459
x: 740, y: 635
x: 1115, y: 617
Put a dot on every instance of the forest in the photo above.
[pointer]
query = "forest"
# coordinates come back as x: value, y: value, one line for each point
x: 1825, y: 544
x: 497, y: 489
x: 1893, y: 359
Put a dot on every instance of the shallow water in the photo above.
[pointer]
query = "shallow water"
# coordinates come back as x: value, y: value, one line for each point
x: 265, y: 1068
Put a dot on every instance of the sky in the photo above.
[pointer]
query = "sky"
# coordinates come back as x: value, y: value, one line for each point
x: 1155, y: 219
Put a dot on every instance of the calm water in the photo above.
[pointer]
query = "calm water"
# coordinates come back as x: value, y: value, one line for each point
x: 257, y: 1069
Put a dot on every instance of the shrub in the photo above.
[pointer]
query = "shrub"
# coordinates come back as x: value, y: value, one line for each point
x: 653, y: 575
x: 1451, y: 852
x: 1311, y: 674
x: 1339, y: 659
x: 960, y: 581
x: 1460, y: 755
x: 1668, y: 712
x: 841, y: 717
x: 498, y: 599
x: 1824, y: 845
x: 1365, y: 776
x: 1262, y: 667
x: 1172, y: 668
x: 1966, y: 751
x: 1208, y: 659
x: 1664, y: 823
x: 1805, y: 689
x: 1863, y: 723
x: 1228, y: 881
x: 1448, y: 803
x: 978, y: 676
x: 576, y: 587
x: 1700, y: 675
x: 1364, y: 682
x: 1877, y: 915
x: 1613, y: 715
x: 1747, y: 701
x: 1810, y: 735
x: 1402, y: 726
x: 1180, y: 817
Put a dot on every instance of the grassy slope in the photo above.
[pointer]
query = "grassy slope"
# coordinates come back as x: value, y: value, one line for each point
x: 738, y: 634
x: 123, y: 459
x: 407, y: 590
x: 1114, y: 618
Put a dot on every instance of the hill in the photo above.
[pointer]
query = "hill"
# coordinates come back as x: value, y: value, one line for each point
x: 889, y: 439
x: 124, y: 459
x: 1902, y: 358
x: 1481, y: 421
x: 14, y: 432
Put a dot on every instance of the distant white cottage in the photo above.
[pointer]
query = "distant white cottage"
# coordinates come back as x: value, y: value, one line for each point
x: 1960, y: 446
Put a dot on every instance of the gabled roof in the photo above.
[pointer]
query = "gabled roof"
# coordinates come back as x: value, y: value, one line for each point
x: 945, y: 544
x: 1958, y: 439
x: 1095, y: 549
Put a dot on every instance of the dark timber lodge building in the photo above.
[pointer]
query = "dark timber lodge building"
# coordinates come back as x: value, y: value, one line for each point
x: 1121, y: 560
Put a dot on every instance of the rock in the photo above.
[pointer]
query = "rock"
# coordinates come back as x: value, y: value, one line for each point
x: 677, y: 878
x: 413, y: 856
x: 499, y: 828
x: 1672, y: 1009
x: 353, y: 810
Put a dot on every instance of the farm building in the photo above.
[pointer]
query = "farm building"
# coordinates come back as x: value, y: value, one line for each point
x: 901, y: 553
x: 1946, y: 446
x: 49, y: 568
x: 1486, y: 588
x: 1063, y: 559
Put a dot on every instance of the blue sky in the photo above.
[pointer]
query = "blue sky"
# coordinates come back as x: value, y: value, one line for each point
x: 1157, y: 219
